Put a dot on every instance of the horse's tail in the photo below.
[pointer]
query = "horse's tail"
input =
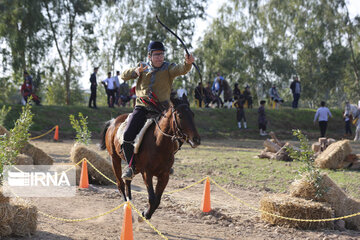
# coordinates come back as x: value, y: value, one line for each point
x: 103, y: 134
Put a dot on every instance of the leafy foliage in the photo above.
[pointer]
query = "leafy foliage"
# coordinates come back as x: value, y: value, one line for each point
x: 83, y: 135
x: 18, y: 136
x: 4, y: 111
x: 306, y: 156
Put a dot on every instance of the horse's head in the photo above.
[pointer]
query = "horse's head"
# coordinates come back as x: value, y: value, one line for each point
x: 183, y: 120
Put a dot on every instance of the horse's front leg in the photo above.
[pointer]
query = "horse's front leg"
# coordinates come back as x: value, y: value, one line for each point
x: 116, y: 165
x: 148, y: 180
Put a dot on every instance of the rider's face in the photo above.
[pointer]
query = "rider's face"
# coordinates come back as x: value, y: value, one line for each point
x: 157, y: 58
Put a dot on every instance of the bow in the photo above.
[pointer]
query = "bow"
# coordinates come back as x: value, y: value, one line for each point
x: 182, y: 43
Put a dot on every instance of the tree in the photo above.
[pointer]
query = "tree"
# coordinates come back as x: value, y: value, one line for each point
x: 68, y: 22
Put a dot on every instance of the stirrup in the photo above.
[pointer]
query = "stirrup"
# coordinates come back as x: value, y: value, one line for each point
x: 128, y: 173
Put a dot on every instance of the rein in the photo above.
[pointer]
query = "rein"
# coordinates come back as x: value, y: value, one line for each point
x: 179, y: 135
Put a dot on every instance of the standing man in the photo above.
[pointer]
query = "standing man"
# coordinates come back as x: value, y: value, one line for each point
x: 93, y: 86
x: 117, y: 92
x: 322, y: 115
x: 199, y: 93
x: 154, y: 82
x: 110, y: 87
x: 295, y: 87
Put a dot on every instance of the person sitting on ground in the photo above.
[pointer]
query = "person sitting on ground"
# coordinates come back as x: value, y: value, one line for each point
x: 248, y: 97
x: 262, y: 118
x: 27, y: 91
x: 154, y: 81
x: 124, y: 92
x: 274, y: 95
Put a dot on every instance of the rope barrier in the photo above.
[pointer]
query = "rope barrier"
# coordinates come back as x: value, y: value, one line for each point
x: 282, y: 217
x: 33, y: 138
x: 147, y: 221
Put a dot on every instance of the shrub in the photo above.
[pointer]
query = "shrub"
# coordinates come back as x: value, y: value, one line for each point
x: 83, y: 135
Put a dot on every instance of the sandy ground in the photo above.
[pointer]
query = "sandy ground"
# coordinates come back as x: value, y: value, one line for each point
x: 178, y: 217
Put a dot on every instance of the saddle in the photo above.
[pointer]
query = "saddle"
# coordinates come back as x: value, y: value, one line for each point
x: 139, y: 136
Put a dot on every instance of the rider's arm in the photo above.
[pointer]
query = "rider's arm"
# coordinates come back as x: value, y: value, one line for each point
x: 129, y: 74
x: 177, y: 70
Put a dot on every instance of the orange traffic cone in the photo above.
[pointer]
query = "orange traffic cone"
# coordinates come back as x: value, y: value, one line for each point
x: 84, y: 178
x: 56, y: 135
x: 205, y: 204
x: 127, y: 228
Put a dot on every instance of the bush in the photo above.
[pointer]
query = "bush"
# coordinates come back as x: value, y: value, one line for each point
x: 83, y: 135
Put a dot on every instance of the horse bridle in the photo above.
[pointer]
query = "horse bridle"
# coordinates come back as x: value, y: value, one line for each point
x: 179, y: 135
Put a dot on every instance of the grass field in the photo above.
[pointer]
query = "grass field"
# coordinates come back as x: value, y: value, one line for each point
x: 235, y: 163
x: 211, y: 123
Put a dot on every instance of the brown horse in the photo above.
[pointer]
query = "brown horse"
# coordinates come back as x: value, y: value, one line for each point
x: 156, y: 153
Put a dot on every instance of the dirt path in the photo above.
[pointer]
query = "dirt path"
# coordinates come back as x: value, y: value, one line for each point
x: 178, y: 216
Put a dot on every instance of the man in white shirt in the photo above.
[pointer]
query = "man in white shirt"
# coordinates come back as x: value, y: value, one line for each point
x: 110, y: 86
x: 181, y: 92
x: 117, y: 93
x: 322, y: 115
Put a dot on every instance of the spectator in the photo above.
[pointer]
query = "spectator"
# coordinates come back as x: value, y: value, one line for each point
x: 274, y: 95
x: 93, y: 87
x: 27, y: 91
x: 199, y: 93
x: 248, y: 97
x: 28, y: 77
x: 347, y: 119
x: 181, y: 92
x: 228, y: 94
x: 240, y: 114
x: 124, y: 93
x: 262, y: 118
x: 110, y: 88
x: 322, y: 115
x: 117, y: 83
x: 236, y: 91
x: 295, y: 89
x: 209, y: 96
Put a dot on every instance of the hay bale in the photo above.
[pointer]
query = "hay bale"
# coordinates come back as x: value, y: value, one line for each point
x: 292, y: 207
x: 38, y: 155
x: 331, y: 194
x: 3, y: 198
x: 5, y: 230
x: 3, y: 130
x: 25, y: 220
x: 334, y: 155
x: 23, y: 159
x: 6, y: 216
x: 80, y: 151
x: 316, y: 147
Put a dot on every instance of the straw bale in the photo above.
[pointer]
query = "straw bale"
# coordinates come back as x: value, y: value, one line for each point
x: 5, y: 230
x: 38, y: 155
x: 351, y: 158
x: 332, y: 194
x: 23, y: 159
x: 273, y: 147
x: 25, y: 220
x: 316, y: 147
x: 6, y: 213
x: 334, y: 155
x: 80, y: 151
x: 3, y: 130
x: 292, y: 207
x: 330, y: 141
x: 3, y: 199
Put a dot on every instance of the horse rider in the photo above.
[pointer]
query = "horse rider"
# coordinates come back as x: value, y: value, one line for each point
x: 154, y: 81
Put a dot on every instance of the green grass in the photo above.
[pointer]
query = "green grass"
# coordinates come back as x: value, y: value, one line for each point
x: 211, y: 123
x: 234, y: 163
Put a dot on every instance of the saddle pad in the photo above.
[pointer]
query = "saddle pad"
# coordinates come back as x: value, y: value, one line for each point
x: 139, y: 136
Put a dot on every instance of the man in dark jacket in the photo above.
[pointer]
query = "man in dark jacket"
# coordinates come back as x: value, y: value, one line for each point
x: 295, y: 89
x: 93, y: 87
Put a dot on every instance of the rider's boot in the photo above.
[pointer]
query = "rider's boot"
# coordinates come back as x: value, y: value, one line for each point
x: 129, y: 170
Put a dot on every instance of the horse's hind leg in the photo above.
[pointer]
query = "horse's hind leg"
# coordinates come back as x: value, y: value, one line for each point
x: 116, y: 165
